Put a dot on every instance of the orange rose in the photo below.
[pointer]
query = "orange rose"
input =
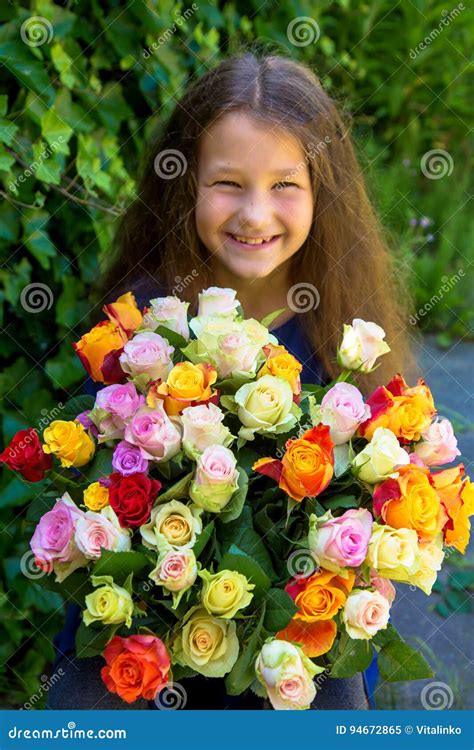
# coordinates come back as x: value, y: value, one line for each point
x: 403, y: 410
x: 124, y: 313
x: 137, y: 667
x: 318, y: 597
x: 282, y: 364
x: 186, y: 385
x: 456, y: 493
x: 99, y: 350
x: 307, y: 466
x: 410, y: 502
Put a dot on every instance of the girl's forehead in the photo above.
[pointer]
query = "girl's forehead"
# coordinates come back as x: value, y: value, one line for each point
x: 237, y: 137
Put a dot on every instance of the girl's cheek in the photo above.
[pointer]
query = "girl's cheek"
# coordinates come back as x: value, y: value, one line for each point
x: 214, y: 206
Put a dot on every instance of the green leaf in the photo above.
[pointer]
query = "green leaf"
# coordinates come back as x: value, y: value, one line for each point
x: 101, y: 466
x: 233, y: 509
x: 120, y: 564
x: 203, y: 538
x: 41, y: 505
x: 91, y: 641
x: 177, y: 491
x: 76, y: 405
x: 47, y: 165
x: 386, y: 635
x: 56, y: 131
x: 399, y: 661
x: 175, y: 339
x: 351, y: 656
x: 268, y: 319
x: 18, y: 491
x: 236, y: 559
x: 36, y: 237
x: 339, y: 501
x: 280, y: 610
x: 19, y: 60
x: 243, y: 672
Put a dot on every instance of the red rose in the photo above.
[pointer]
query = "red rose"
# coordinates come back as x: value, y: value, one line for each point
x: 26, y: 455
x: 137, y: 666
x: 132, y: 497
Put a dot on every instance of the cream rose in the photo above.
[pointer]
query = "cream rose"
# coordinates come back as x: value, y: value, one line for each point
x: 218, y: 301
x: 109, y: 603
x: 173, y: 525
x: 215, y: 479
x: 202, y: 427
x: 362, y: 343
x: 365, y: 613
x: 287, y: 675
x: 265, y: 407
x: 379, y: 459
x: 170, y: 312
x: 207, y: 644
x: 224, y: 593
x: 393, y: 553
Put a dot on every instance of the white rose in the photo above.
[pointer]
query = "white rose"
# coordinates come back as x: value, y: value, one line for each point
x: 362, y: 344
x: 202, y: 427
x: 218, y: 301
x: 379, y: 459
x: 265, y: 407
x: 170, y: 312
x: 365, y: 613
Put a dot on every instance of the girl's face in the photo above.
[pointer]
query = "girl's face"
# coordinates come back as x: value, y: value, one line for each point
x: 253, y: 184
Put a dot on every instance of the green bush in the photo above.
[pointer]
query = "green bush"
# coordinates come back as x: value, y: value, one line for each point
x: 84, y: 85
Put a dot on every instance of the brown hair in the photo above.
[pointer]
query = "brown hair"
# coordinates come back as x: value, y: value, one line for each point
x: 345, y: 256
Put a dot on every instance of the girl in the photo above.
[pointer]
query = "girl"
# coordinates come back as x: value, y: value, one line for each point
x: 254, y: 185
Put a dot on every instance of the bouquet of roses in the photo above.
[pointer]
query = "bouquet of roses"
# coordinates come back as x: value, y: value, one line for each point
x: 213, y: 516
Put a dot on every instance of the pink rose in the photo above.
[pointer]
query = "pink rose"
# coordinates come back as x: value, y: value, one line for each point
x: 170, y: 312
x: 127, y: 459
x: 439, y: 444
x: 217, y: 300
x: 215, y: 479
x: 154, y: 433
x: 343, y: 410
x: 149, y: 354
x: 98, y: 531
x: 177, y: 570
x: 383, y: 586
x: 53, y: 541
x: 119, y: 400
x: 341, y: 542
x: 202, y: 427
x: 365, y: 613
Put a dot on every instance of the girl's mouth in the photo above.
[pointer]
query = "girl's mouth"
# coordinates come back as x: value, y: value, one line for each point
x: 252, y: 243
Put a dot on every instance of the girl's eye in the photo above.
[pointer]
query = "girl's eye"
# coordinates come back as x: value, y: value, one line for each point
x: 281, y: 185
x: 226, y: 182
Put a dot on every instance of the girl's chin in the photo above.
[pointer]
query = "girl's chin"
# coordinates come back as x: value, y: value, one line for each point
x: 249, y: 270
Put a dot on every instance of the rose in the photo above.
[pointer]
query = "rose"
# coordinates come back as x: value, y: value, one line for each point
x: 202, y: 427
x: 154, y: 433
x: 393, y: 553
x: 234, y: 347
x: 53, y: 542
x: 170, y: 312
x: 109, y: 604
x: 287, y: 675
x: 340, y: 542
x: 431, y: 557
x: 365, y: 613
x: 281, y: 364
x: 439, y: 444
x: 383, y: 586
x: 361, y: 345
x: 25, y: 454
x: 264, y: 406
x: 97, y: 531
x: 403, y: 410
x: 120, y: 401
x: 410, y: 502
x: 147, y: 354
x: 307, y: 466
x: 343, y: 409
x: 127, y: 459
x: 380, y: 458
x: 217, y: 301
x: 207, y: 644
x: 132, y: 498
x: 225, y: 592
x: 125, y: 313
x: 96, y: 496
x: 172, y: 526
x: 456, y: 493
x: 99, y: 349
x: 137, y: 667
x: 215, y: 479
x: 176, y: 570
x: 69, y: 442
x: 187, y: 384
x: 84, y: 419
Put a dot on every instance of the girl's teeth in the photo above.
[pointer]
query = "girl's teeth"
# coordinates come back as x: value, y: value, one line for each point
x: 249, y: 241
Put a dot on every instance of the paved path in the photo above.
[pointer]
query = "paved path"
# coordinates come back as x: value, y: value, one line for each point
x: 449, y: 373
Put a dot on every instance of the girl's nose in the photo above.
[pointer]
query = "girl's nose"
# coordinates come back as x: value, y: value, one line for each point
x: 255, y: 213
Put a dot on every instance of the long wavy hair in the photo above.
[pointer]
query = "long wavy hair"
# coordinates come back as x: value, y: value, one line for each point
x: 345, y: 256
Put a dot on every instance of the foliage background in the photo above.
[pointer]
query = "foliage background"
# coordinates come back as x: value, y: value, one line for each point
x: 88, y: 97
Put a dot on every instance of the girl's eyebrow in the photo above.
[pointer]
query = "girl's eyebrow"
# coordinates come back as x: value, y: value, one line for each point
x: 228, y: 168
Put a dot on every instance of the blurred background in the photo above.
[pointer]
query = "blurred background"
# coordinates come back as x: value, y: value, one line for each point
x: 83, y: 85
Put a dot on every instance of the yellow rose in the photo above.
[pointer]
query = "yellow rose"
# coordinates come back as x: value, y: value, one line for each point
x: 173, y: 525
x: 70, y: 442
x: 264, y: 406
x: 125, y: 313
x: 282, y: 364
x: 226, y: 592
x: 96, y: 496
x: 187, y: 384
x: 393, y: 553
x: 207, y: 644
x: 431, y: 557
x: 110, y: 604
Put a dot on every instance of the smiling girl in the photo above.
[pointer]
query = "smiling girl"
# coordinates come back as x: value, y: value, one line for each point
x: 253, y: 184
